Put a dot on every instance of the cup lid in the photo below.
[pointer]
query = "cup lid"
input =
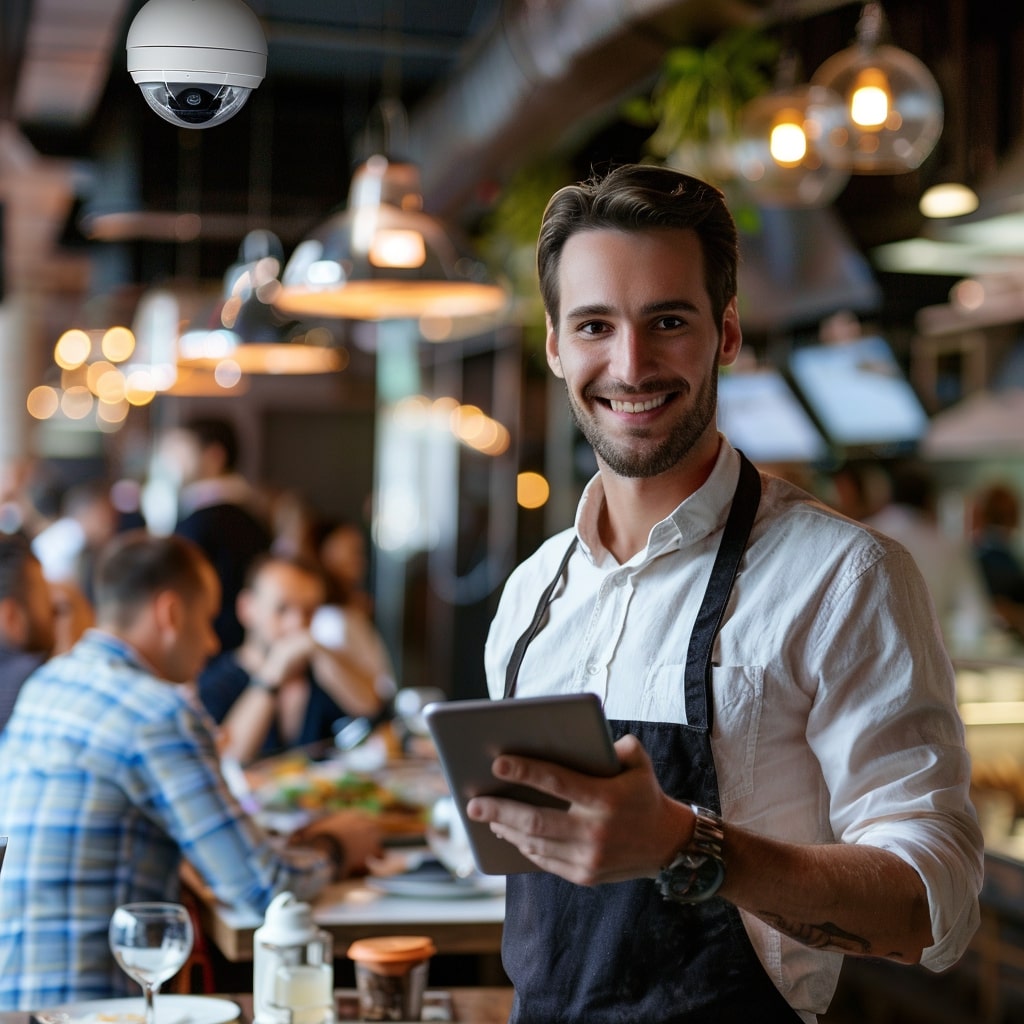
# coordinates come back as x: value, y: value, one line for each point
x: 390, y: 949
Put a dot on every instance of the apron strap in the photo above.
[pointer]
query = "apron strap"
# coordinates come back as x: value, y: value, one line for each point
x: 519, y: 651
x: 699, y: 703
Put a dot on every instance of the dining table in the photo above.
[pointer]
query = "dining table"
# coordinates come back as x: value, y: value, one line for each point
x: 284, y: 791
x: 354, y: 909
x: 470, y: 1005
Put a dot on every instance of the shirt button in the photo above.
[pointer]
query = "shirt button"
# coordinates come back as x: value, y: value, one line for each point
x: 592, y: 669
x: 621, y: 580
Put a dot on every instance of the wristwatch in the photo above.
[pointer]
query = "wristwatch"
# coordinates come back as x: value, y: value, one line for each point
x: 698, y: 870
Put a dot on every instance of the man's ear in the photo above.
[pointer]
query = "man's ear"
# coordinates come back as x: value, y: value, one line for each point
x: 551, y: 348
x: 168, y: 611
x: 732, y: 335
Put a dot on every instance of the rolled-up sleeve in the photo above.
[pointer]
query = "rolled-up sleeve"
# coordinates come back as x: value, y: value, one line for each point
x: 888, y: 735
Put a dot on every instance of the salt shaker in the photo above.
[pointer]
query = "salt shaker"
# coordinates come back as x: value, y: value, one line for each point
x: 293, y: 967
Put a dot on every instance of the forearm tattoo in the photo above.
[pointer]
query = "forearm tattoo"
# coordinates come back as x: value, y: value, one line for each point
x: 820, y: 936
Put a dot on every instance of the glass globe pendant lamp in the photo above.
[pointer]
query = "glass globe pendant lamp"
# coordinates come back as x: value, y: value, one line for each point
x: 894, y: 104
x: 790, y: 148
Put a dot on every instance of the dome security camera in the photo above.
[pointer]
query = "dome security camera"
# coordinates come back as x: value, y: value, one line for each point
x: 196, y: 61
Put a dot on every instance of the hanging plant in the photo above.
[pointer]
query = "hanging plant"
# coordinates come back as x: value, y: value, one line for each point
x: 695, y: 101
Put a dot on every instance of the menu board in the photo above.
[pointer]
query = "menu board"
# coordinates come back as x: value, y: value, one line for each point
x: 859, y: 393
x: 762, y: 417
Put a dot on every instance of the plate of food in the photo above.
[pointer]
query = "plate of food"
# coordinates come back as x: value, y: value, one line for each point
x: 170, y: 1009
x: 418, y: 874
x: 292, y: 798
x: 429, y: 879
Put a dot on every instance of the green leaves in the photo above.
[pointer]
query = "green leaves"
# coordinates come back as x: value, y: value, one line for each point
x: 701, y: 89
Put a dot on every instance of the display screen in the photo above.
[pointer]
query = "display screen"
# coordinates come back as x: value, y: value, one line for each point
x: 858, y: 393
x: 761, y: 416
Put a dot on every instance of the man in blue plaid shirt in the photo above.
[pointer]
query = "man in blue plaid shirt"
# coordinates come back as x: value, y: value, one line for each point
x: 109, y: 774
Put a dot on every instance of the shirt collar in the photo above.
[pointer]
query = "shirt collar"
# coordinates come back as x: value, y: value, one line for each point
x: 697, y: 516
x: 117, y: 648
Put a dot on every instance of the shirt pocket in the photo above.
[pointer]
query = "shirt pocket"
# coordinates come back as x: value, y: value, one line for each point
x: 738, y: 693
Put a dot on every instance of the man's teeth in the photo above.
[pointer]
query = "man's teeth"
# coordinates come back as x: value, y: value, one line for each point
x: 651, y: 403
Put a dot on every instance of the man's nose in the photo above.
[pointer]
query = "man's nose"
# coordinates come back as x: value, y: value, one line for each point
x: 631, y: 359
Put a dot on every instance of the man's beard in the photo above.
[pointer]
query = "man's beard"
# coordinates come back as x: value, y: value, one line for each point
x: 642, y: 463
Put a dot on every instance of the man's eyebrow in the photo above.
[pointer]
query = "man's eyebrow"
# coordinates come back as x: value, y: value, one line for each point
x: 581, y: 312
x: 664, y: 306
x: 671, y: 305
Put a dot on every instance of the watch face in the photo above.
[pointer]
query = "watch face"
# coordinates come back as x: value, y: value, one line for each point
x: 692, y: 878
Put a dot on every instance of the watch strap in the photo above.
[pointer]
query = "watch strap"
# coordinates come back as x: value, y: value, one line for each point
x: 708, y: 833
x: 697, y: 871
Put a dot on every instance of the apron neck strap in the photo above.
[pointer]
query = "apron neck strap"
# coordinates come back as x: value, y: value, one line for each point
x: 716, y: 597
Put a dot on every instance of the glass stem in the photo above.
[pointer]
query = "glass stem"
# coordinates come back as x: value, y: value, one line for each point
x: 150, y: 993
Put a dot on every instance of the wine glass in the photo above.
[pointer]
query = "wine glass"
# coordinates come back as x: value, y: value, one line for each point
x: 151, y: 942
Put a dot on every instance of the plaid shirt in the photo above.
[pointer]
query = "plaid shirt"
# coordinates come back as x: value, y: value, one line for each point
x: 107, y: 777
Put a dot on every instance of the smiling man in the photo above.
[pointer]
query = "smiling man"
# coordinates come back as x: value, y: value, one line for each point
x: 795, y: 783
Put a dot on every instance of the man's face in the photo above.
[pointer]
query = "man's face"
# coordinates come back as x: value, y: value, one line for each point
x: 280, y: 602
x: 638, y: 347
x: 194, y: 641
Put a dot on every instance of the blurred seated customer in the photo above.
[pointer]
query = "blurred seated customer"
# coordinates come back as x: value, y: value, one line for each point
x: 280, y: 688
x: 345, y: 620
x: 956, y: 587
x: 218, y: 509
x: 68, y: 546
x: 26, y: 619
x: 110, y: 777
x: 341, y: 548
x: 996, y: 519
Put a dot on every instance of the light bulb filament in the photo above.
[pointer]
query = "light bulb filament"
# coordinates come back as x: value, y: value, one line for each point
x: 870, y: 99
x: 788, y: 141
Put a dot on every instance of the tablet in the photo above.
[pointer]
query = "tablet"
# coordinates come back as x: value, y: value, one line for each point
x: 570, y: 730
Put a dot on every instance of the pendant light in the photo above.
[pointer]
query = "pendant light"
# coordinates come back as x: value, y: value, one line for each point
x: 242, y: 331
x: 790, y: 149
x: 950, y: 195
x: 382, y: 257
x: 895, y: 106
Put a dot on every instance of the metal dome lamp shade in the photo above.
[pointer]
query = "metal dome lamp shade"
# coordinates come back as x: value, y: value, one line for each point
x: 384, y: 258
x: 895, y: 106
x: 243, y: 333
x: 789, y: 150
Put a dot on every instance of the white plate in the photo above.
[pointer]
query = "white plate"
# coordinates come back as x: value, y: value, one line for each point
x: 170, y: 1009
x: 428, y: 888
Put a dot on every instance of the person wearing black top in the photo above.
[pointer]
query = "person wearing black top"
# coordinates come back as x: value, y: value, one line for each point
x: 218, y: 509
x: 281, y: 689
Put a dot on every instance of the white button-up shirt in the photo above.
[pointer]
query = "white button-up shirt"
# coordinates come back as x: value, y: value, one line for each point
x: 834, y: 709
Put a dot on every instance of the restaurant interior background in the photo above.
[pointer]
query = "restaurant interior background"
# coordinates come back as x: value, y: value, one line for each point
x: 112, y: 217
x: 427, y: 430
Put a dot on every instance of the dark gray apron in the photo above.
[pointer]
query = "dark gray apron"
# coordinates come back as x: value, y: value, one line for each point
x: 619, y: 952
